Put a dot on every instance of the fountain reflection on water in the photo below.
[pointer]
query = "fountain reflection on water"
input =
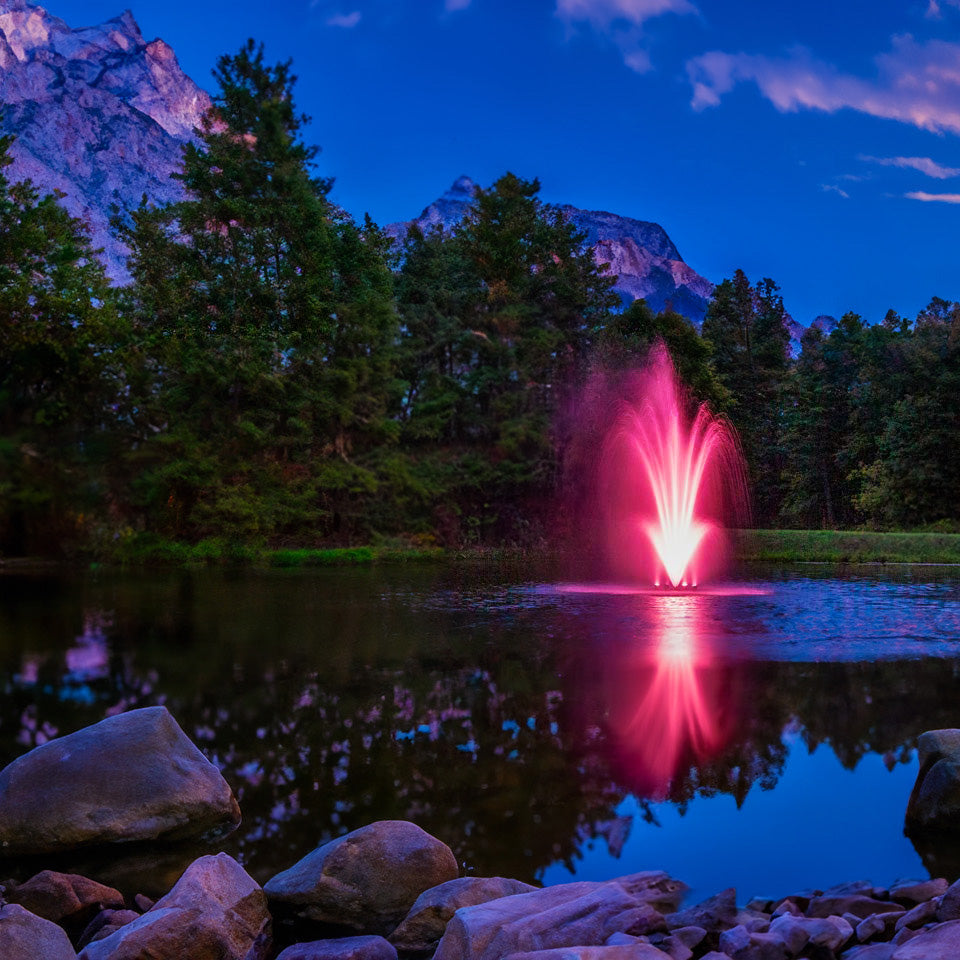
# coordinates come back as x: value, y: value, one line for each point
x: 675, y: 719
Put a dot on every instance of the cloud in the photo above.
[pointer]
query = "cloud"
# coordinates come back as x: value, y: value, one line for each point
x: 622, y: 21
x: 452, y: 6
x: 933, y: 197
x: 833, y: 188
x: 916, y: 83
x: 346, y: 20
x: 603, y: 13
x: 924, y: 164
x: 934, y: 9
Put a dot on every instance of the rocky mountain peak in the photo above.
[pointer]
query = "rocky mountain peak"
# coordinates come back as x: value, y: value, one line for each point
x: 99, y: 113
x: 643, y: 256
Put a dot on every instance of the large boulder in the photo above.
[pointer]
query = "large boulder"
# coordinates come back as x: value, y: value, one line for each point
x: 423, y: 926
x: 934, y: 804
x: 64, y: 898
x: 344, y: 948
x: 940, y: 942
x: 214, y: 912
x: 134, y: 776
x: 367, y: 880
x: 25, y: 936
x: 578, y: 915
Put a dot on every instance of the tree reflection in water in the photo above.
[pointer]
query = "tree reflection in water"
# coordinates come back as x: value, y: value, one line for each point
x: 513, y: 733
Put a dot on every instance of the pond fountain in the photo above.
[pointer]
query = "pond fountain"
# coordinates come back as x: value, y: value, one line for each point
x: 669, y: 481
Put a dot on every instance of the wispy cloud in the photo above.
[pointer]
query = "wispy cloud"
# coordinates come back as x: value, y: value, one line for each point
x: 345, y: 20
x: 934, y: 9
x: 933, y: 197
x: 603, y: 13
x: 622, y: 21
x: 833, y: 188
x: 924, y: 164
x: 916, y: 83
x: 452, y: 6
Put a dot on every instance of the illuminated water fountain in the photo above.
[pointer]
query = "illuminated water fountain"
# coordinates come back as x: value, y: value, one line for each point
x: 669, y: 481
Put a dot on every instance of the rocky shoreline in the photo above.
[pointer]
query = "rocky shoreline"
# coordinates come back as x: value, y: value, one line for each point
x: 389, y: 890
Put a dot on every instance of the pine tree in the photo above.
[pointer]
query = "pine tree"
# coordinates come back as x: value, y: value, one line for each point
x: 267, y: 318
x: 61, y: 373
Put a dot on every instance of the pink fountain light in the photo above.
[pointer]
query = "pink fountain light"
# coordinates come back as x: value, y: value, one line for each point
x: 669, y: 480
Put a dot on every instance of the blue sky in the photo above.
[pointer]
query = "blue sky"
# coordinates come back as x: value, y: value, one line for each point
x: 816, y: 143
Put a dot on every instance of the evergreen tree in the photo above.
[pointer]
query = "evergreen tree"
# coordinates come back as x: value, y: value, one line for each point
x: 746, y: 328
x: 61, y: 373
x: 267, y: 320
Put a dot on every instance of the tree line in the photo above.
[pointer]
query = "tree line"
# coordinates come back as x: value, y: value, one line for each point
x: 275, y: 372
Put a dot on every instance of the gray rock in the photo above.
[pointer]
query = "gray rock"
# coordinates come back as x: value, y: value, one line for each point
x: 634, y: 951
x: 104, y: 924
x: 917, y: 891
x: 857, y: 904
x: 949, y: 908
x: 714, y: 914
x: 793, y: 934
x: 940, y: 942
x: 934, y: 804
x: 214, y: 912
x: 740, y: 943
x: 25, y: 936
x: 344, y: 948
x: 873, y: 926
x: 63, y: 897
x: 875, y: 951
x: 135, y: 776
x: 368, y: 879
x: 829, y: 932
x: 569, y: 915
x: 922, y: 913
x: 423, y: 926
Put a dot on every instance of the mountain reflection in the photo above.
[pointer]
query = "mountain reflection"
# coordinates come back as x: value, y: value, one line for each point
x: 665, y: 705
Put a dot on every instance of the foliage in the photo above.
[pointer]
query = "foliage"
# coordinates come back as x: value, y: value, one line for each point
x: 61, y: 373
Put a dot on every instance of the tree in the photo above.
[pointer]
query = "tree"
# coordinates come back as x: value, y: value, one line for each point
x: 746, y: 327
x: 61, y: 373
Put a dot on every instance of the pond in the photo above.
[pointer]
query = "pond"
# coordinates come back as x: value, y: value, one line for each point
x: 759, y: 734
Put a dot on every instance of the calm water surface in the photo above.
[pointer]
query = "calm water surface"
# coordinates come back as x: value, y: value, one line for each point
x: 760, y: 735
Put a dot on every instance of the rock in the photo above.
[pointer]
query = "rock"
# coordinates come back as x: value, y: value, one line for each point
x: 919, y: 915
x: 368, y: 879
x: 344, y: 948
x: 787, y: 908
x: 829, y: 932
x: 857, y: 904
x: 917, y: 891
x: 691, y: 936
x: 423, y: 926
x: 793, y: 934
x: 578, y: 915
x: 876, y: 924
x: 143, y: 903
x: 622, y: 939
x: 934, y: 804
x: 740, y: 944
x: 754, y: 920
x: 214, y: 912
x: 64, y: 897
x: 949, y: 908
x: 717, y: 913
x: 635, y: 951
x: 134, y: 776
x: 940, y: 942
x: 25, y: 936
x: 674, y: 948
x: 875, y: 951
x: 761, y: 904
x: 104, y: 924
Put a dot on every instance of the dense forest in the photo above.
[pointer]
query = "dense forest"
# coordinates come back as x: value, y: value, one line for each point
x: 276, y: 373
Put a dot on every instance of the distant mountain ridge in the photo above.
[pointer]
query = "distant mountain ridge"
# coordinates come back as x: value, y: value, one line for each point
x: 99, y: 113
x: 643, y: 256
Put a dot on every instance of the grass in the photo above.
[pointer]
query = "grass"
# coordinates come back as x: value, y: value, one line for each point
x: 847, y: 546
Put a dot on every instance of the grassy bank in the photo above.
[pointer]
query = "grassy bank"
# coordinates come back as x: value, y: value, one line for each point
x: 847, y: 546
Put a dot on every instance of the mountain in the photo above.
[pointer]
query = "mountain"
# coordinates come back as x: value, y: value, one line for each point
x: 645, y: 259
x: 99, y: 113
